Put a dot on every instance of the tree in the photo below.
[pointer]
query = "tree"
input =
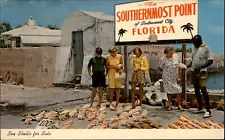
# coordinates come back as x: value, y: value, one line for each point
x: 53, y: 27
x: 18, y: 26
x: 188, y: 27
x: 4, y: 27
x: 120, y: 33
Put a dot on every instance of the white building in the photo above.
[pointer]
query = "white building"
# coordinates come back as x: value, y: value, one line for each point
x: 82, y: 32
x: 31, y: 35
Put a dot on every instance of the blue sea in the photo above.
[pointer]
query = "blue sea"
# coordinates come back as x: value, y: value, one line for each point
x: 215, y: 82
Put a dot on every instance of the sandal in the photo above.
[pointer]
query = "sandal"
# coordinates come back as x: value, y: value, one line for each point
x: 180, y: 108
x: 169, y: 108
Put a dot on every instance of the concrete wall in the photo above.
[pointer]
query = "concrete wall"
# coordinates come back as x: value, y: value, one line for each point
x: 96, y: 33
x: 35, y: 65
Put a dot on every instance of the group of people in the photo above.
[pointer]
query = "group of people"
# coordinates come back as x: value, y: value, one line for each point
x: 100, y: 67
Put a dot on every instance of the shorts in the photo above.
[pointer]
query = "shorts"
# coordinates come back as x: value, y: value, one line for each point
x: 138, y: 77
x: 199, y: 78
x: 98, y: 79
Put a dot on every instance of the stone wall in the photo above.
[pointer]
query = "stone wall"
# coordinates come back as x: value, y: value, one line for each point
x: 36, y: 66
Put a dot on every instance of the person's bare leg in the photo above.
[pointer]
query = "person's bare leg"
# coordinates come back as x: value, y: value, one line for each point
x: 93, y: 94
x: 117, y: 96
x: 179, y: 102
x: 169, y: 102
x: 100, y: 95
x: 111, y: 92
x: 141, y: 91
x: 133, y: 90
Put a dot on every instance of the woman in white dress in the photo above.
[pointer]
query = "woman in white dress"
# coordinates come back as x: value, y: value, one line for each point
x: 169, y: 66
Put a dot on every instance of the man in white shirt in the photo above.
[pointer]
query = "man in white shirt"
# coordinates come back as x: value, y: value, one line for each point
x: 201, y: 59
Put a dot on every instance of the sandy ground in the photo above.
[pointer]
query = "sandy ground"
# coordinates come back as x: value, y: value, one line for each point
x: 51, y: 98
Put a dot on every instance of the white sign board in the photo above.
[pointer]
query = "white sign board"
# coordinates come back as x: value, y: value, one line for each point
x: 134, y: 22
x: 44, y: 124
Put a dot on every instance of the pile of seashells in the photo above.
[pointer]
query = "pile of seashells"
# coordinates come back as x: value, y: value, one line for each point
x: 185, y: 123
x: 125, y: 117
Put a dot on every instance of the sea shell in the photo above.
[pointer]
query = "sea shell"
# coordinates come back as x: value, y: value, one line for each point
x: 115, y: 124
x: 183, y: 118
x: 144, y: 113
x: 52, y: 116
x: 106, y: 122
x: 188, y: 126
x: 103, y: 105
x: 90, y: 125
x: 39, y: 117
x: 81, y: 116
x: 73, y: 114
x: 120, y: 105
x: 139, y: 108
x: 128, y: 107
x: 132, y: 111
x: 124, y: 114
x: 91, y: 117
x: 28, y: 119
x: 62, y: 117
x: 69, y: 126
x: 65, y: 112
x: 136, y: 117
x: 135, y: 125
x: 146, y: 126
x: 101, y: 118
x: 103, y: 109
x: 173, y: 126
x: 124, y: 121
x: 155, y: 124
x: 103, y: 126
x: 112, y: 107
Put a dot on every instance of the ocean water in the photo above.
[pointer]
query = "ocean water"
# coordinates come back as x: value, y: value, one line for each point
x: 215, y: 82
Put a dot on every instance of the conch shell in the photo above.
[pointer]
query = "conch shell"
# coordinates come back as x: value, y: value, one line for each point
x: 136, y: 117
x: 28, y: 119
x: 128, y: 107
x: 65, y: 112
x: 73, y: 114
x: 81, y: 116
x: 124, y: 121
x: 101, y: 118
x: 139, y: 108
x: 39, y: 117
x: 144, y: 113
x: 115, y: 123
x: 183, y: 119
x: 124, y: 114
x: 132, y: 111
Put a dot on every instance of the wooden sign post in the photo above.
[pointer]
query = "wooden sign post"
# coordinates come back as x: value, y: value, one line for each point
x: 184, y: 82
x: 126, y: 81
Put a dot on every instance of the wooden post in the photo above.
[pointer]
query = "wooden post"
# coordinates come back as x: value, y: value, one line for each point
x: 126, y: 83
x: 184, y: 82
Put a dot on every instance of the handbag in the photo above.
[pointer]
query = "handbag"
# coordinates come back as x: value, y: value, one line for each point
x: 120, y: 76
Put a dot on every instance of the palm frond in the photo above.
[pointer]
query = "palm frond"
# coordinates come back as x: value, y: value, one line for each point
x: 189, y: 24
x: 191, y: 28
x: 183, y: 26
x: 184, y: 29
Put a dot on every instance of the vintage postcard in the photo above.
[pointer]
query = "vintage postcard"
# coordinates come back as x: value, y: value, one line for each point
x: 148, y: 69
